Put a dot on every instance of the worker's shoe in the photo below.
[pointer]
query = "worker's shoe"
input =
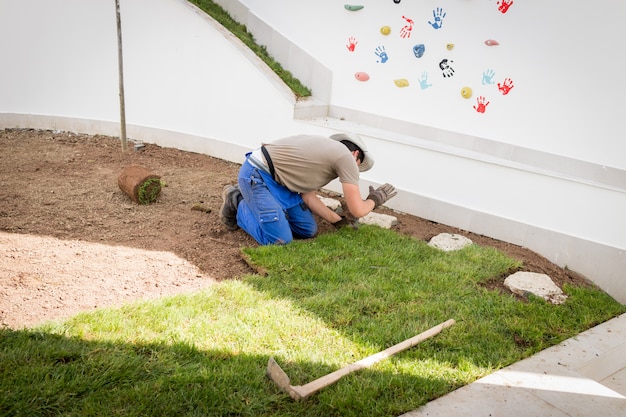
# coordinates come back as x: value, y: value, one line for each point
x: 228, y: 213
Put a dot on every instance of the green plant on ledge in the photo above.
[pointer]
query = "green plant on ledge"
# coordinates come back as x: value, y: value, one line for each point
x: 240, y: 31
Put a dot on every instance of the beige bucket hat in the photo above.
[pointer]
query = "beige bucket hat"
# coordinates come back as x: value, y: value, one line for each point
x: 368, y: 161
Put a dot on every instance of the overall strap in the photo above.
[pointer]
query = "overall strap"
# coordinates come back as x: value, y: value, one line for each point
x: 269, y: 162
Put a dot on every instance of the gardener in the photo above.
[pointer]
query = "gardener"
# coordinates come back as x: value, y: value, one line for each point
x: 276, y: 199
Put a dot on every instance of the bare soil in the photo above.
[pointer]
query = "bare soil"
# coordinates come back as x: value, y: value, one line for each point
x: 72, y: 241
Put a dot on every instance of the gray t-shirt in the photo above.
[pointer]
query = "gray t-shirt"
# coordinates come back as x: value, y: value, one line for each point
x: 306, y: 163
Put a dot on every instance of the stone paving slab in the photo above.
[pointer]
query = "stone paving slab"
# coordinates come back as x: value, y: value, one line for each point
x: 541, y: 285
x: 377, y: 219
x: 331, y: 203
x: 554, y: 382
x: 449, y: 241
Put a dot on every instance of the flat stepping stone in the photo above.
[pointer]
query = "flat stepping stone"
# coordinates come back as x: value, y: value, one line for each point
x: 378, y: 219
x: 331, y: 203
x: 541, y: 285
x: 449, y: 241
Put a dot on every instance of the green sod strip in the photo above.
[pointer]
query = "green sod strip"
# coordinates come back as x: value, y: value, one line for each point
x: 149, y: 190
x: 324, y: 303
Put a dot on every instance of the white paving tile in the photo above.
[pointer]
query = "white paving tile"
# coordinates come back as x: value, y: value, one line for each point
x: 558, y: 381
x: 607, y: 335
x: 488, y: 397
x: 581, y: 398
x: 617, y: 381
x: 605, y: 364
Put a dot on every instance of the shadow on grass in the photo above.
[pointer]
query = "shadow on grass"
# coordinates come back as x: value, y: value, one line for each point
x: 325, y: 303
x: 45, y: 374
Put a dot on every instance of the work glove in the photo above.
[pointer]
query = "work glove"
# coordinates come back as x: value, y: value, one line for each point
x: 381, y: 194
x: 354, y: 223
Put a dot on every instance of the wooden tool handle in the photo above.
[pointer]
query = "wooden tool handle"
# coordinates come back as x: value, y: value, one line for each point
x: 314, y: 386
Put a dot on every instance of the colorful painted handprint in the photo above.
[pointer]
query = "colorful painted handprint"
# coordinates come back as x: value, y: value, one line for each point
x: 406, y: 30
x: 488, y: 75
x: 447, y: 70
x: 424, y: 81
x: 506, y: 86
x: 381, y: 54
x: 351, y: 44
x: 503, y: 5
x: 481, y: 104
x: 438, y: 15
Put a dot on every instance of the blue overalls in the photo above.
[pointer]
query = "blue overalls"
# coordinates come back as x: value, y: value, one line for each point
x: 269, y: 211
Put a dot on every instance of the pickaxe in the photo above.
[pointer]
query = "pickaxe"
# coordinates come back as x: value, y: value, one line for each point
x: 301, y: 392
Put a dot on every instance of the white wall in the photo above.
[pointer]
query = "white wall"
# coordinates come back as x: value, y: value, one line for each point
x: 56, y: 55
x: 566, y: 97
x: 543, y: 167
x: 182, y: 75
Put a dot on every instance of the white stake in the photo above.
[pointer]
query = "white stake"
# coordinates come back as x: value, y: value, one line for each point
x: 121, y: 77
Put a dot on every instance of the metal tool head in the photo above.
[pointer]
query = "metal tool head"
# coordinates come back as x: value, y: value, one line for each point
x: 280, y: 378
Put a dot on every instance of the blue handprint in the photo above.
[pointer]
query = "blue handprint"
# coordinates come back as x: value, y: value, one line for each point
x: 424, y: 81
x: 380, y: 53
x: 438, y: 15
x: 488, y: 75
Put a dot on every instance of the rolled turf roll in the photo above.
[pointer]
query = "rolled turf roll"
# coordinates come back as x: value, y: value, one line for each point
x: 142, y: 186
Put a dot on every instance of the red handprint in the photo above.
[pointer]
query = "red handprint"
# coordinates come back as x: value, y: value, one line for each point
x: 406, y: 30
x: 504, y: 5
x: 482, y: 105
x: 351, y: 43
x: 505, y: 87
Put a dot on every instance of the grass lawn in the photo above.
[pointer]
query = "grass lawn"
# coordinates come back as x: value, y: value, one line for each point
x: 323, y: 304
